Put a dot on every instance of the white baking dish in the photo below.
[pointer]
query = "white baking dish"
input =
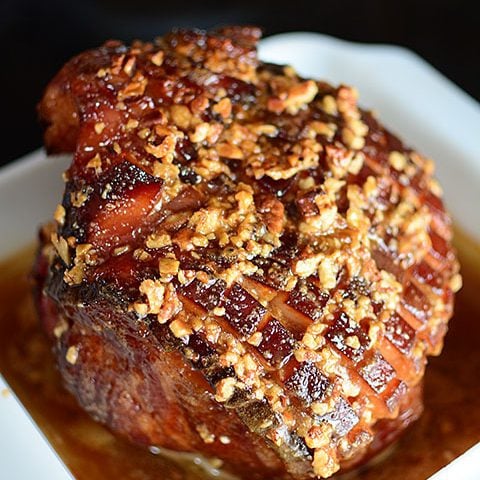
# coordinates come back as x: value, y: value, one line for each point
x: 411, y: 97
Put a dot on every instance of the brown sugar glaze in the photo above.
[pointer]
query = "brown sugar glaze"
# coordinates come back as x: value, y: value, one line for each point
x: 449, y: 425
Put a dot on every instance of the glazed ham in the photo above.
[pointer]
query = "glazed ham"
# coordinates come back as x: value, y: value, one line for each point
x: 244, y: 264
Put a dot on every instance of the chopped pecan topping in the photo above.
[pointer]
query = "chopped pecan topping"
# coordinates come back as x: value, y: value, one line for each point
x: 286, y: 243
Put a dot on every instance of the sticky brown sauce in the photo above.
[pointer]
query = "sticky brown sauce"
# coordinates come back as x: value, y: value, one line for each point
x: 449, y: 425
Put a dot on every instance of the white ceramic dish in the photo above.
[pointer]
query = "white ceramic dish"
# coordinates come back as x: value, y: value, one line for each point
x: 410, y: 96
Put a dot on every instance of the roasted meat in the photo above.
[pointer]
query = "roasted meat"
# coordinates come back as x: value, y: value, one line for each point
x: 244, y: 264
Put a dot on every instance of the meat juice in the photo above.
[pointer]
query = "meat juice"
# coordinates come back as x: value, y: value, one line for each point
x: 449, y: 425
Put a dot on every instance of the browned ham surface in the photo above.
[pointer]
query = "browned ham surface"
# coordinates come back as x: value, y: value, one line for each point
x: 244, y: 263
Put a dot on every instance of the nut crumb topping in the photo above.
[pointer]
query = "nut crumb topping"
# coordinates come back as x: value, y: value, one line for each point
x: 205, y: 433
x: 180, y: 328
x: 61, y: 247
x: 168, y: 266
x: 323, y: 464
x: 60, y: 328
x: 72, y: 355
x: 59, y: 215
x: 225, y: 389
x: 266, y: 215
x: 294, y: 98
x: 397, y: 160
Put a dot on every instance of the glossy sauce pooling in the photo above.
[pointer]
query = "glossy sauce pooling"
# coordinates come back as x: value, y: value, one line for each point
x: 449, y: 425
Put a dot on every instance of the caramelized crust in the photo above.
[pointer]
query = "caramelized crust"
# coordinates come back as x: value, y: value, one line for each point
x: 244, y: 263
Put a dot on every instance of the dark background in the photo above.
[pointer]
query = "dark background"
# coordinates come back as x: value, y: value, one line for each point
x: 37, y: 37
